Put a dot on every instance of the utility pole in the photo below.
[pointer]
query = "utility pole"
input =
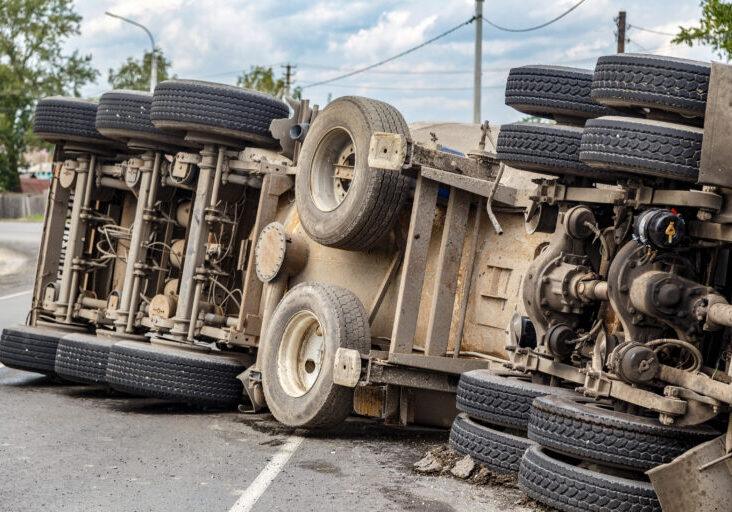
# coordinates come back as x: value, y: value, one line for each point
x: 477, y: 71
x: 621, y: 32
x: 288, y: 77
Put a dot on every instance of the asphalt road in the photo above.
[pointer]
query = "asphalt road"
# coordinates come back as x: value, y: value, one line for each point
x: 81, y: 448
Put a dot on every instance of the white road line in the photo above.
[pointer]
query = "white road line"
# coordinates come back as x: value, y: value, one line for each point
x: 268, y: 474
x: 13, y: 295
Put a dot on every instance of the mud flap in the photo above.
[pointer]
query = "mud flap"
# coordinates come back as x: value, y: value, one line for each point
x: 252, y: 380
x: 690, y: 482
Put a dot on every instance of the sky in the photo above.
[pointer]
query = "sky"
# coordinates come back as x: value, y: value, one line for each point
x: 215, y: 40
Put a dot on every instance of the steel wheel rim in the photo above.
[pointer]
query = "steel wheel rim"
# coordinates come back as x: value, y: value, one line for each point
x: 301, y: 353
x: 332, y: 169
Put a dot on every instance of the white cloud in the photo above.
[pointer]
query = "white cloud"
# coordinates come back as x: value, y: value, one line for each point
x: 215, y: 40
x: 395, y: 31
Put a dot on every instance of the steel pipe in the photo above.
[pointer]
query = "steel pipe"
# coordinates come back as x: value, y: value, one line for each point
x: 720, y: 314
x: 149, y: 204
x: 197, y: 235
x: 136, y: 252
x: 73, y: 244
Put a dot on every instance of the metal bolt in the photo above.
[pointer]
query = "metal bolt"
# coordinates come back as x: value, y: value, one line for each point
x: 665, y: 419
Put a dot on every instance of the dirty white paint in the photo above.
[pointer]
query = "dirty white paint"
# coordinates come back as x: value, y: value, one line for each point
x: 11, y: 262
x: 260, y: 484
x: 13, y: 295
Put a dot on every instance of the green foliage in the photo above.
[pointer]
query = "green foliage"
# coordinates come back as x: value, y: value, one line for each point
x: 32, y: 66
x: 535, y: 119
x: 135, y: 75
x: 715, y: 28
x: 261, y: 78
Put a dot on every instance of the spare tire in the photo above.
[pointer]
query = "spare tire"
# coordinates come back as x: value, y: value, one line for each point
x: 566, y: 487
x: 550, y: 91
x: 341, y: 201
x: 170, y: 373
x: 665, y: 83
x: 642, y: 146
x: 125, y: 115
x: 297, y: 354
x: 180, y: 106
x: 497, y: 450
x: 582, y: 428
x: 58, y: 119
x: 546, y: 148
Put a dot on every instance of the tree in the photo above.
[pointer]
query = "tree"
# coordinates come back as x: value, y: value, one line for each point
x: 715, y: 28
x: 135, y: 75
x: 537, y: 119
x: 32, y: 66
x: 261, y: 78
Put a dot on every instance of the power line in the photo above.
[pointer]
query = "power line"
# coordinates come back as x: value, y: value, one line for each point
x: 652, y: 31
x: 642, y: 48
x: 437, y: 71
x: 402, y: 54
x: 393, y: 71
x: 387, y: 88
x: 537, y: 27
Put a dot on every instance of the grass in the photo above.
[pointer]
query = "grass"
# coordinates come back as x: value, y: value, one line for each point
x: 29, y: 218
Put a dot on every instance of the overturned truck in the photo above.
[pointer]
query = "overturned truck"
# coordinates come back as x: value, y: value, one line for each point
x: 558, y: 293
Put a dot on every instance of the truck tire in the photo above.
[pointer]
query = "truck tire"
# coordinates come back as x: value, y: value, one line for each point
x: 125, y: 115
x: 30, y: 348
x: 498, y: 451
x: 83, y: 358
x: 551, y: 149
x: 180, y: 106
x: 581, y: 428
x: 58, y: 119
x: 551, y: 91
x: 170, y: 373
x: 348, y: 213
x: 311, y: 322
x: 642, y: 146
x: 652, y: 81
x: 500, y: 399
x: 566, y: 487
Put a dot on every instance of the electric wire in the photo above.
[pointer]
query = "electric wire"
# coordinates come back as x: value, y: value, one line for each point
x: 636, y: 27
x: 398, y: 55
x: 537, y: 27
x: 388, y: 88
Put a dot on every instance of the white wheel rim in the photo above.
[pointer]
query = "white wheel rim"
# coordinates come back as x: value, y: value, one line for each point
x: 333, y: 169
x: 301, y: 353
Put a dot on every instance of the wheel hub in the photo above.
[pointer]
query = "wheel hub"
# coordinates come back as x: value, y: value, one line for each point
x: 333, y: 169
x: 300, y: 356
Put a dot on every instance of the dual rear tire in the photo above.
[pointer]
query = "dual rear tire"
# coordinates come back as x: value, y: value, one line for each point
x: 170, y: 373
x: 495, y: 414
x: 30, y: 349
x: 589, y: 457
